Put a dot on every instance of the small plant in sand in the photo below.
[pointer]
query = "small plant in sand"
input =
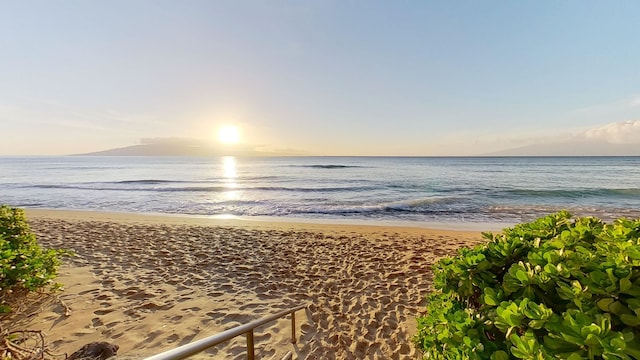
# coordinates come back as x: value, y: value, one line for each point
x: 556, y: 288
x: 24, y: 265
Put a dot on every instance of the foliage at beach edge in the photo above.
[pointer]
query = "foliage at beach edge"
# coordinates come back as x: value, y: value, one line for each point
x: 556, y: 288
x: 24, y: 265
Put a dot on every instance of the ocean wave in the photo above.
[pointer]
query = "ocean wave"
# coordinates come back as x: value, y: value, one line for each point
x: 530, y: 212
x: 314, y: 189
x: 267, y: 189
x: 575, y: 193
x: 50, y: 186
x: 424, y: 206
x: 93, y: 187
x: 151, y: 182
x: 328, y: 166
x: 421, y: 204
x: 219, y: 188
x: 512, y: 214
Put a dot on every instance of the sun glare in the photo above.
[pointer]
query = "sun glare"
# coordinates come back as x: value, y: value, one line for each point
x: 229, y: 135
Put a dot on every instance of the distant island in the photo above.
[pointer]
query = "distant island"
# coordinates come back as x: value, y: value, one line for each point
x: 190, y: 147
x: 572, y: 148
x: 186, y: 147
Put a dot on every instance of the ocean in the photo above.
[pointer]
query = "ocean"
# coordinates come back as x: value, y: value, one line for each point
x: 418, y: 191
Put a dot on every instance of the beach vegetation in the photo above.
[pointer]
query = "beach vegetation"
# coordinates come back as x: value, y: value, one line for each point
x: 556, y: 288
x: 24, y: 265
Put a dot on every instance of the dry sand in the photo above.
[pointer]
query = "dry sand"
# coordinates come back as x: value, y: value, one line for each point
x: 151, y: 283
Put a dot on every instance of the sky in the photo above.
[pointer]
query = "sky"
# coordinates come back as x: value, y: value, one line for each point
x: 319, y: 77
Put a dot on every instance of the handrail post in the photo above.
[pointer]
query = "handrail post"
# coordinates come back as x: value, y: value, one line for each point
x: 250, y: 350
x: 293, y: 327
x: 195, y: 347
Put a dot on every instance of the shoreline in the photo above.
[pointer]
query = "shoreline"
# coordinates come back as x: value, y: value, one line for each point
x: 150, y: 283
x: 262, y: 221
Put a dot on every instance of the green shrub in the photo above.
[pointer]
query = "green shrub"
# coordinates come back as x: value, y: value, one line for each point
x: 556, y: 288
x: 24, y: 265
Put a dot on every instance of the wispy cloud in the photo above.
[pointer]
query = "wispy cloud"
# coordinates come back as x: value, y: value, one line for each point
x: 623, y: 132
x: 42, y: 111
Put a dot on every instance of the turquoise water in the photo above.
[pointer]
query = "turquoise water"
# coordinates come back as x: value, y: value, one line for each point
x: 414, y: 190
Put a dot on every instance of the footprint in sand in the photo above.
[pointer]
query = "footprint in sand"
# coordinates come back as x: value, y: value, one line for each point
x: 239, y: 318
x: 153, y: 335
x: 194, y: 309
x: 141, y: 296
x: 226, y: 286
x: 150, y: 306
x: 132, y: 313
x: 96, y: 322
x: 112, y: 324
x: 103, y: 312
x: 249, y: 306
x: 187, y: 339
x: 92, y: 291
x: 262, y: 337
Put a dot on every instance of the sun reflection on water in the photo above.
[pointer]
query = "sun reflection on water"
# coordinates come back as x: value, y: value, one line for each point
x: 229, y: 167
x: 230, y: 174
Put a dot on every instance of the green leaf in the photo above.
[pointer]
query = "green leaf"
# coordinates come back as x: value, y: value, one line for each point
x: 575, y: 356
x: 630, y: 320
x: 605, y: 303
x: 590, y: 329
x: 559, y: 345
x: 499, y: 355
x: 522, y: 275
x: 490, y: 297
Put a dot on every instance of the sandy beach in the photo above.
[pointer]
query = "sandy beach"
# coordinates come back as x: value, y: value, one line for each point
x: 152, y: 283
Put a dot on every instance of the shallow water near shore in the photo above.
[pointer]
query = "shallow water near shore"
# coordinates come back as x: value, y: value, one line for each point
x: 480, y: 191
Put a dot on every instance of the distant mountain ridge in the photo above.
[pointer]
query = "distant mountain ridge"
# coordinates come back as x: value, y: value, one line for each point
x: 185, y: 149
x: 572, y: 148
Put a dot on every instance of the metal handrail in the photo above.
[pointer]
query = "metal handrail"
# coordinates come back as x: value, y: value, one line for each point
x: 195, y: 347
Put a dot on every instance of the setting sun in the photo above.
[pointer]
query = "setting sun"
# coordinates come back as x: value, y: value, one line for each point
x: 229, y: 135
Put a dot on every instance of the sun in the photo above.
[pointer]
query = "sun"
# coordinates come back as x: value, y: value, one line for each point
x: 229, y: 134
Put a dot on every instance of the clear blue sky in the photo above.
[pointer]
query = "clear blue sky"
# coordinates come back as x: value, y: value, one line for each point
x: 325, y: 77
